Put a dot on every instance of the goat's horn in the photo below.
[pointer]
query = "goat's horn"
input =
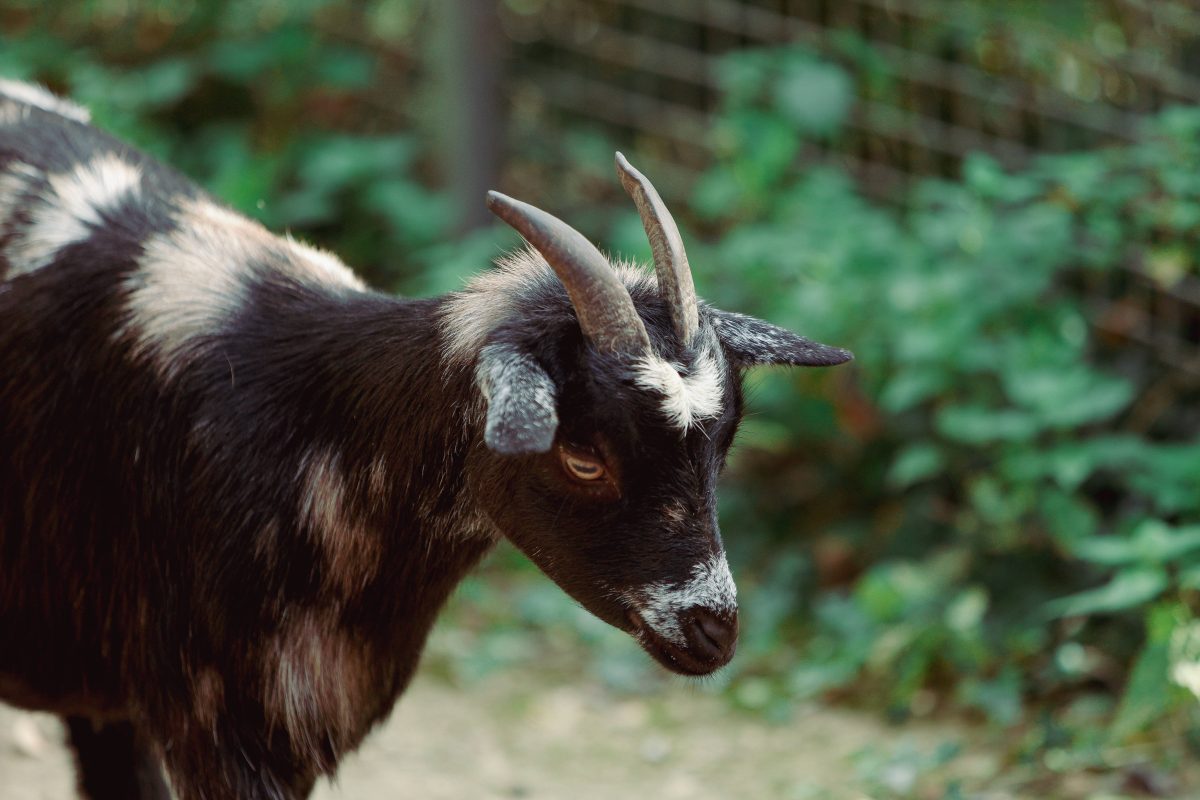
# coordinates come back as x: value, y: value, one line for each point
x: 602, y: 303
x: 670, y: 259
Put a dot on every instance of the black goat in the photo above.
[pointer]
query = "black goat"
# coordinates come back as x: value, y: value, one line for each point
x: 236, y: 486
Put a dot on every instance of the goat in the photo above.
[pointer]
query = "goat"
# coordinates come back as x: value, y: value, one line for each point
x: 236, y: 485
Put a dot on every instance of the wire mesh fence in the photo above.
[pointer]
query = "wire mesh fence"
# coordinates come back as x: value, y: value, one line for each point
x: 937, y: 80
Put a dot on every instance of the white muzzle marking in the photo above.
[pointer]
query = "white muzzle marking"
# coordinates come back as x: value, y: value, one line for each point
x: 660, y: 604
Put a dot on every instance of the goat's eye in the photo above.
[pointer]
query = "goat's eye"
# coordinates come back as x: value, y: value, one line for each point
x: 583, y: 468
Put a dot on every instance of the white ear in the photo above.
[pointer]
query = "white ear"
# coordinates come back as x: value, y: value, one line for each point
x: 749, y: 341
x: 521, y: 415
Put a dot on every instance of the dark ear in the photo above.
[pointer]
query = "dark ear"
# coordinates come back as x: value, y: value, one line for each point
x: 749, y: 341
x: 521, y: 415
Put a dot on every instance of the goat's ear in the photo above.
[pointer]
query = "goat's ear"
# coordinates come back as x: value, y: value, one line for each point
x: 749, y: 341
x: 521, y: 414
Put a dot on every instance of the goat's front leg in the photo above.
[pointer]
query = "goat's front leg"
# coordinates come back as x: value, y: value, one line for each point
x: 114, y: 761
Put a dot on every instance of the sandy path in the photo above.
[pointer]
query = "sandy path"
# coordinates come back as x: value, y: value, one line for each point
x: 502, y: 738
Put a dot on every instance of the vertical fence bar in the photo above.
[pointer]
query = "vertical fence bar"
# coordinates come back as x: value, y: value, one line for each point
x: 468, y: 54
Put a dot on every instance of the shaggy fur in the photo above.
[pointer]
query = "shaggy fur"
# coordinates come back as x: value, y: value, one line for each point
x: 236, y: 486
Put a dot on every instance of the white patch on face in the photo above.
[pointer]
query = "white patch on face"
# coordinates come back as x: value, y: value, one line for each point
x: 689, y: 399
x: 660, y: 605
x: 68, y: 207
x: 34, y: 95
x: 490, y: 299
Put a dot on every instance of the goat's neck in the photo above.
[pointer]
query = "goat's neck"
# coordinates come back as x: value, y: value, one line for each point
x: 407, y: 423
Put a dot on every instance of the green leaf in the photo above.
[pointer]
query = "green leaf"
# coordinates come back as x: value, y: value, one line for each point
x: 1129, y: 589
x: 978, y: 425
x: 965, y: 613
x: 718, y: 193
x: 1152, y: 543
x: 413, y: 213
x: 983, y: 174
x: 916, y: 463
x: 1112, y: 551
x: 1189, y: 577
x: 346, y: 68
x: 1159, y: 543
x: 768, y: 142
x: 910, y: 387
x: 1070, y: 519
x: 1169, y: 477
x: 815, y: 97
x: 157, y: 85
x: 1066, y: 398
x: 997, y: 504
x: 1148, y: 694
x: 741, y: 74
x: 342, y: 161
x: 998, y: 698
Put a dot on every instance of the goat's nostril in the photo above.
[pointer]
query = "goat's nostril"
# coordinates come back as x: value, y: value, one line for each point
x: 716, y: 633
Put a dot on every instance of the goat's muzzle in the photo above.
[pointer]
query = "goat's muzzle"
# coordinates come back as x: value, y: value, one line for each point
x: 709, y: 640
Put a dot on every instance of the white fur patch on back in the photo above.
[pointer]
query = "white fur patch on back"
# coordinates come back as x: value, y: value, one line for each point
x: 194, y: 278
x: 303, y: 261
x: 35, y: 95
x: 191, y: 280
x: 685, y: 399
x: 323, y: 266
x: 710, y: 586
x: 68, y: 207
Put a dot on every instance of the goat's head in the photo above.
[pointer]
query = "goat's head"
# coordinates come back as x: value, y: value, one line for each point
x: 610, y: 407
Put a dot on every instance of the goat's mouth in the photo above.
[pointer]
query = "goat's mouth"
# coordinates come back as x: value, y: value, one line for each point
x: 709, y: 642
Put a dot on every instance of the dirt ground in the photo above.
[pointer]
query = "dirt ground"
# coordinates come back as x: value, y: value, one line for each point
x: 503, y: 738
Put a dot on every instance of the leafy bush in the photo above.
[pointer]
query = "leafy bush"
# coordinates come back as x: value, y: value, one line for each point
x: 978, y: 505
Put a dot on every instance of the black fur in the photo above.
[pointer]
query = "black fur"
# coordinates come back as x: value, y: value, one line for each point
x: 170, y: 583
x: 113, y: 761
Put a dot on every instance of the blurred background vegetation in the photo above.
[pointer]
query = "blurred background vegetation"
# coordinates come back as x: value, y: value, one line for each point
x: 995, y: 511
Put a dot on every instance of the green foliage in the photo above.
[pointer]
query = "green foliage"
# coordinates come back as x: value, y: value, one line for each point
x: 984, y: 477
x: 266, y: 105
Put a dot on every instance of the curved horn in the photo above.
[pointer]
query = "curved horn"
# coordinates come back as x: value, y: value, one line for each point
x: 602, y: 303
x: 670, y: 259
